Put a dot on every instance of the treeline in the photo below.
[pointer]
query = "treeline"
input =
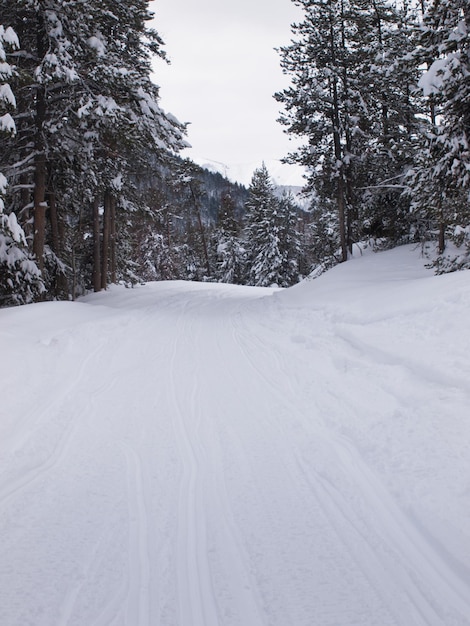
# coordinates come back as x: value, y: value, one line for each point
x: 380, y: 94
x: 92, y: 190
x: 212, y: 230
x: 79, y: 118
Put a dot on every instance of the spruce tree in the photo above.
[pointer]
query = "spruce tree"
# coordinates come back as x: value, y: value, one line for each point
x: 315, y: 103
x: 230, y: 252
x: 289, y: 240
x: 264, y: 256
x: 353, y: 107
x: 440, y: 180
x: 20, y: 280
x: 89, y: 122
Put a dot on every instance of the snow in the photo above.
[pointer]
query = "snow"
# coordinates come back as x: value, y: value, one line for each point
x: 439, y: 73
x: 15, y: 229
x: 148, y: 104
x: 9, y: 36
x: 5, y: 68
x: 7, y: 124
x: 117, y: 183
x: 3, y: 184
x: 106, y: 106
x: 6, y: 95
x: 186, y: 454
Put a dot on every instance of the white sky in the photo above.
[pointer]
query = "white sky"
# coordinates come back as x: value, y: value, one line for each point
x: 223, y: 74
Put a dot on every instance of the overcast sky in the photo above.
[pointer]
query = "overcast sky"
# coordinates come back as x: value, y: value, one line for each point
x: 223, y: 74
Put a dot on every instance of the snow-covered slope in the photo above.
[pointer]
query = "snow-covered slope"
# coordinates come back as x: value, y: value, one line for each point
x: 197, y: 455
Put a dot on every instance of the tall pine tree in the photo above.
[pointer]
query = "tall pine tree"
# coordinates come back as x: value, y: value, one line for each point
x: 20, y: 280
x: 440, y: 182
x: 265, y: 260
x: 353, y: 108
x: 88, y: 122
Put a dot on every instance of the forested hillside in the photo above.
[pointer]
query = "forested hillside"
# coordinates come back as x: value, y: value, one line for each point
x: 92, y: 190
x: 380, y: 95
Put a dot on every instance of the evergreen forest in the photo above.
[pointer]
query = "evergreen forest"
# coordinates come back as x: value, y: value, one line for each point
x: 93, y: 190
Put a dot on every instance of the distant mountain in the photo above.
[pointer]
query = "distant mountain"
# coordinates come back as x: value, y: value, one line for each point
x: 283, y: 175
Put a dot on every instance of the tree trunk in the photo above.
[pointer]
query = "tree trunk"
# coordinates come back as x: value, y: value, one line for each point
x: 340, y: 190
x: 341, y: 217
x: 74, y: 274
x: 61, y: 287
x: 39, y: 195
x: 112, y: 240
x: 96, y: 246
x: 106, y: 231
x: 40, y: 206
x: 442, y: 235
x: 25, y: 211
x: 55, y: 239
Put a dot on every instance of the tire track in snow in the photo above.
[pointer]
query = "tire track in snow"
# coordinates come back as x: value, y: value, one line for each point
x: 325, y: 550
x: 67, y: 428
x: 34, y: 474
x: 417, y: 370
x: 242, y: 598
x: 358, y: 540
x: 138, y: 593
x: 27, y: 426
x: 196, y: 602
x: 331, y: 541
x: 419, y: 572
x: 65, y: 424
x: 112, y: 607
x: 420, y: 563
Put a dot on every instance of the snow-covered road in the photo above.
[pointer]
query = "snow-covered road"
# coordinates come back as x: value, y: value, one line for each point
x: 189, y: 454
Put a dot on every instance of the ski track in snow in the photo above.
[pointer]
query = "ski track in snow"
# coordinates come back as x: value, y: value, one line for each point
x: 205, y: 455
x: 195, y: 593
x: 398, y: 534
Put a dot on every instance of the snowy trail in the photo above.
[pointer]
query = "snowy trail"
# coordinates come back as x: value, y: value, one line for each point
x: 204, y: 455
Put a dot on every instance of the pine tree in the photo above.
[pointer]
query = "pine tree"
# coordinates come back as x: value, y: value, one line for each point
x: 446, y: 42
x: 20, y: 280
x: 394, y: 111
x: 440, y: 181
x: 88, y: 123
x: 289, y: 240
x: 264, y: 256
x: 315, y: 106
x: 353, y: 106
x: 230, y: 252
x: 46, y: 71
x: 121, y: 115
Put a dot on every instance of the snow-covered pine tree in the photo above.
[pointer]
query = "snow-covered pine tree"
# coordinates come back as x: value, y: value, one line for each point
x: 441, y: 179
x: 229, y: 250
x: 264, y: 256
x: 20, y: 279
x: 315, y: 103
x: 121, y: 116
x: 186, y: 182
x: 88, y: 122
x: 391, y: 121
x: 46, y: 70
x: 351, y: 105
x: 289, y: 239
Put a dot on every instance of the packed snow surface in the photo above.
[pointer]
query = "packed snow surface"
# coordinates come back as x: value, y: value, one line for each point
x: 187, y: 454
